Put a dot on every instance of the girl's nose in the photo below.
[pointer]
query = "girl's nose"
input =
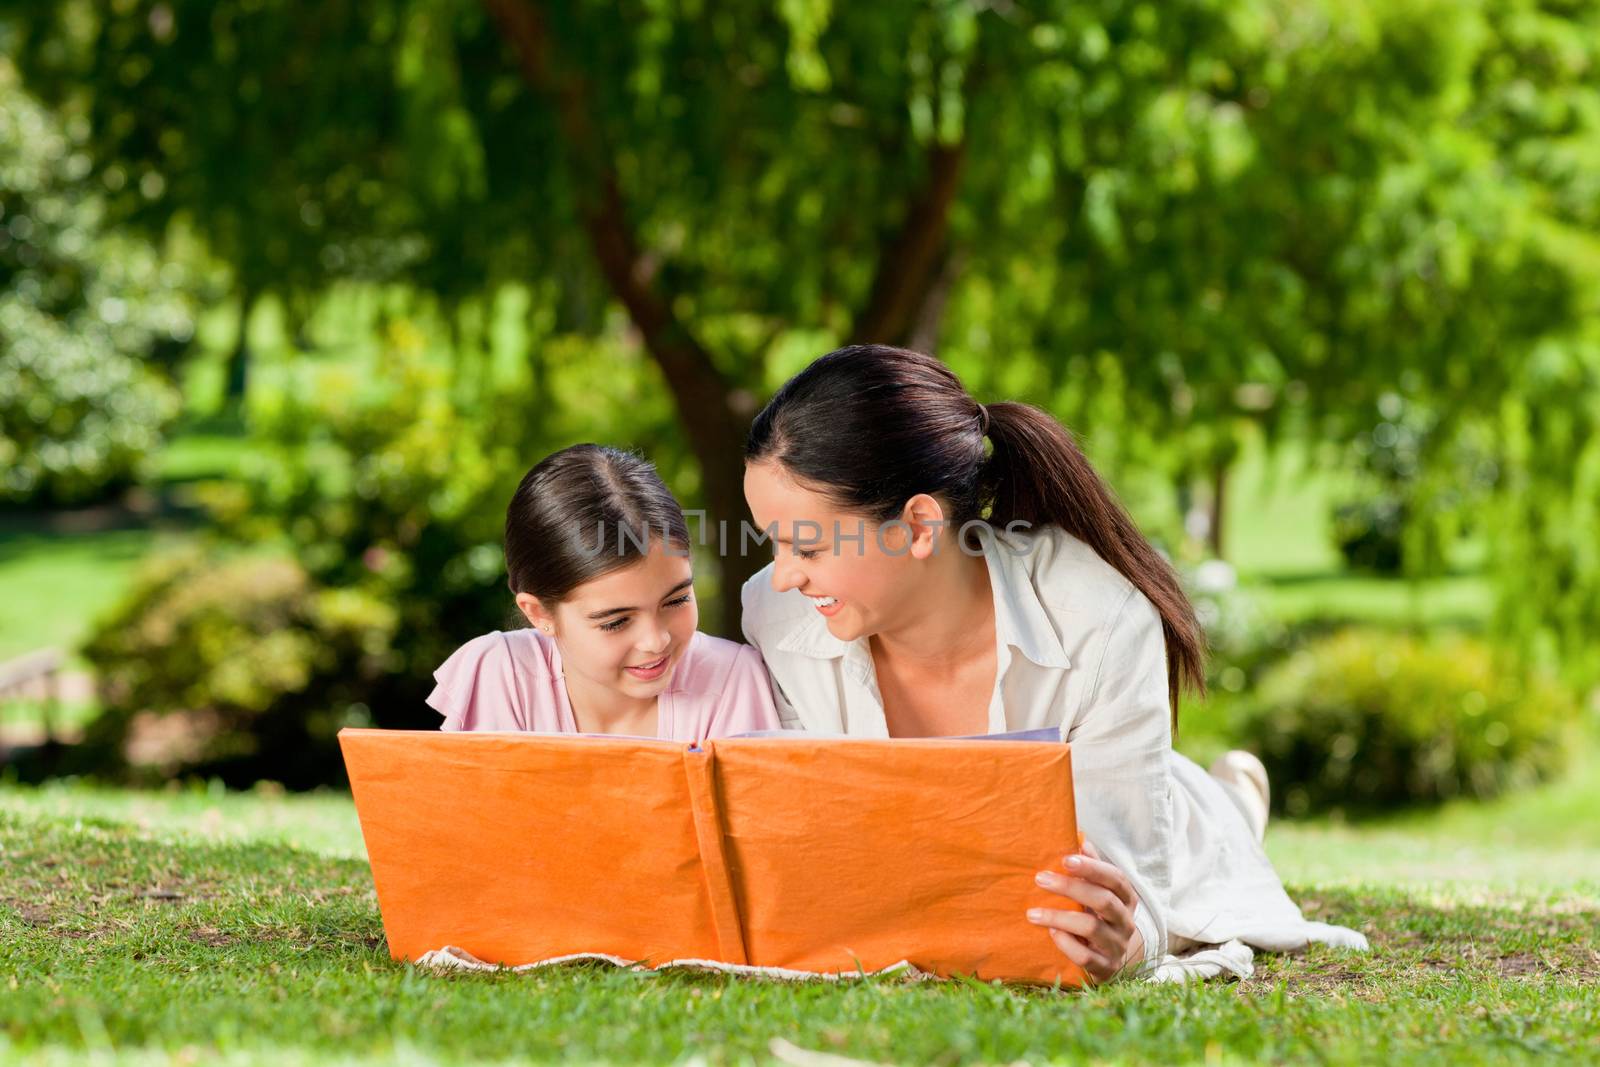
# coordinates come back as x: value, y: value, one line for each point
x: 654, y: 638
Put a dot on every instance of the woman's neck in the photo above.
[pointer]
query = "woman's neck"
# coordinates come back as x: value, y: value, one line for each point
x: 597, y: 709
x: 949, y: 617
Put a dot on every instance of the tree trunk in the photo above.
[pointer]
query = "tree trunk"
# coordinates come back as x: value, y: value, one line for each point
x: 1219, y: 496
x: 236, y: 380
x: 715, y: 413
x: 707, y: 402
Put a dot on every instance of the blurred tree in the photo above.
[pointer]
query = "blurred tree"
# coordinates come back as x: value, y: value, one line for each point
x: 1170, y: 219
x: 81, y: 309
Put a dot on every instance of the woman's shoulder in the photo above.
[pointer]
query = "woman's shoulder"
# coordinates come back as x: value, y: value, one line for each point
x: 1071, y: 580
x: 767, y: 613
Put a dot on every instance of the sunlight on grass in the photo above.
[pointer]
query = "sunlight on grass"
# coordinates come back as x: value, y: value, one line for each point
x: 323, y: 822
x: 57, y: 584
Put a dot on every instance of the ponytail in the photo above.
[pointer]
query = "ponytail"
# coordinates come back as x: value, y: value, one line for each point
x: 1037, y: 474
x: 873, y: 426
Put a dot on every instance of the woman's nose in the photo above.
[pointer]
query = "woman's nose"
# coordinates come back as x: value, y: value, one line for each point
x: 785, y: 578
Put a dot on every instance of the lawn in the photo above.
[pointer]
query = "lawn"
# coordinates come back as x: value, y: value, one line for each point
x: 167, y: 926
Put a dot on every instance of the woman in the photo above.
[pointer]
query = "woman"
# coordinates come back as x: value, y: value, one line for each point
x: 924, y: 585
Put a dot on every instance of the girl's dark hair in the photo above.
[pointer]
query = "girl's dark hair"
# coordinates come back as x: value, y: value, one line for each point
x: 583, y: 512
x: 872, y: 426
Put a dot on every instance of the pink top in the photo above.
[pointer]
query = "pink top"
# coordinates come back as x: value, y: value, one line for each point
x: 512, y: 680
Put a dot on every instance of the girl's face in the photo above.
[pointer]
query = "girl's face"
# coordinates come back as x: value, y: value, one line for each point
x: 858, y: 573
x: 627, y: 630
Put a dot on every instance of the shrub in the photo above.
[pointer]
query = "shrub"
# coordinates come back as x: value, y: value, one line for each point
x: 252, y: 666
x: 77, y: 418
x: 388, y: 486
x: 1368, y: 719
x: 1370, y: 534
x: 82, y: 310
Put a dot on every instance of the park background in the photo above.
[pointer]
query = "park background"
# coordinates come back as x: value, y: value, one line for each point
x: 291, y: 295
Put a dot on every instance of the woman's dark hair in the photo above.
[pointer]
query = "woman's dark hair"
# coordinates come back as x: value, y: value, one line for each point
x: 872, y: 426
x: 583, y: 512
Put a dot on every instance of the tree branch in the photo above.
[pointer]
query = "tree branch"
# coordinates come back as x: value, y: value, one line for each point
x: 704, y: 398
x: 910, y: 257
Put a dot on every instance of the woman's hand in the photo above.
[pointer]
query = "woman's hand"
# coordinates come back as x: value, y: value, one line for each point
x: 1102, y: 938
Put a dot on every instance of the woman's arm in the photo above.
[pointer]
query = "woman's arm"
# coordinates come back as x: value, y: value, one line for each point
x: 1103, y: 938
x: 1121, y: 744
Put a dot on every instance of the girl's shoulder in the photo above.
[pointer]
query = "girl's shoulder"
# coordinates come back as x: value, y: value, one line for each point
x: 525, y: 651
x: 711, y: 664
x: 496, y: 681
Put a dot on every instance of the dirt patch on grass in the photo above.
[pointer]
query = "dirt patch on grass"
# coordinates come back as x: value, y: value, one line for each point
x: 210, y: 935
x: 1321, y: 981
x: 30, y: 914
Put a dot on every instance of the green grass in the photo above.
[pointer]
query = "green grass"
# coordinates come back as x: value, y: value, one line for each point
x: 56, y: 584
x: 272, y: 952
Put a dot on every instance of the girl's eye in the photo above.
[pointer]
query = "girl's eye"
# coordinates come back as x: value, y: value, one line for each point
x: 807, y: 553
x: 616, y: 624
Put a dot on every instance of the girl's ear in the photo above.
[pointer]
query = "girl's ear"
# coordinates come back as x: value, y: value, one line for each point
x: 534, y: 612
x: 924, y: 515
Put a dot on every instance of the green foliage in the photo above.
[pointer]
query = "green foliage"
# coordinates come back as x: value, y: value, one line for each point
x: 377, y: 492
x: 1546, y: 527
x: 1367, y: 719
x: 1167, y: 221
x: 262, y: 666
x: 77, y: 418
x: 1418, y: 487
x: 80, y: 308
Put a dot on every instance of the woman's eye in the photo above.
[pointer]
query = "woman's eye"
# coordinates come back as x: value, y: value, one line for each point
x: 614, y: 625
x: 807, y: 553
x: 684, y: 599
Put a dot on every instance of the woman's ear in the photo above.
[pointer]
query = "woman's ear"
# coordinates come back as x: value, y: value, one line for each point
x: 924, y: 515
x: 534, y: 612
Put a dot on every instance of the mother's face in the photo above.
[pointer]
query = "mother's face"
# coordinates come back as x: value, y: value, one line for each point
x: 856, y: 571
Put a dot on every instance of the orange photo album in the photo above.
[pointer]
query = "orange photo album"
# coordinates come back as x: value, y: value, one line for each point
x: 811, y: 854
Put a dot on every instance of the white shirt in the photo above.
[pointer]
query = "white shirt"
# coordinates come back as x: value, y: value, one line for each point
x: 1080, y: 649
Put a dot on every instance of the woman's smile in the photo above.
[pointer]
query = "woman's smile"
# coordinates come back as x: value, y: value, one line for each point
x: 827, y: 605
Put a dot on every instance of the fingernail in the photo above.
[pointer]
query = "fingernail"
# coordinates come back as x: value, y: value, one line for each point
x: 1035, y: 914
x: 1074, y: 861
x: 1042, y: 878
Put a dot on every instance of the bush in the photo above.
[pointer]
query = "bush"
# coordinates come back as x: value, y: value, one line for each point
x: 77, y: 418
x: 245, y: 662
x: 388, y: 485
x: 1364, y: 719
x: 83, y: 308
x: 1370, y: 534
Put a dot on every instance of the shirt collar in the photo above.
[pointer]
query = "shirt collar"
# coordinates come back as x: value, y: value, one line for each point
x: 1021, y: 620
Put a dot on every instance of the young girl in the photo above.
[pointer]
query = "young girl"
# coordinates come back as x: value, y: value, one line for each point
x: 949, y: 568
x: 597, y: 554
